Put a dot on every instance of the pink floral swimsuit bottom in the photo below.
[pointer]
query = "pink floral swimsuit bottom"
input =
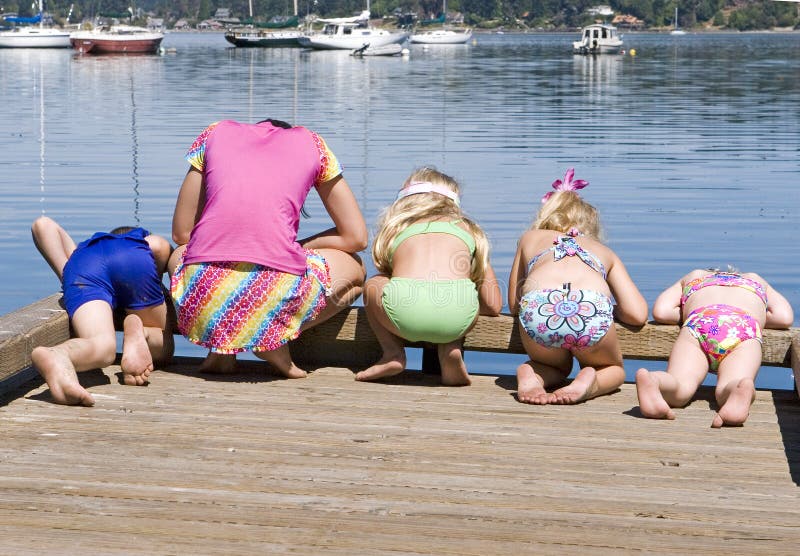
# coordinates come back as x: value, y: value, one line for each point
x: 719, y: 329
x: 565, y: 318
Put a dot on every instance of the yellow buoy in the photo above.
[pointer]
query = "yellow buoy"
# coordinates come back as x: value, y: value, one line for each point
x: 633, y: 51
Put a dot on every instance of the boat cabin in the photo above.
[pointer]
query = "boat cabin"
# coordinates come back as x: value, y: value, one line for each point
x: 598, y: 38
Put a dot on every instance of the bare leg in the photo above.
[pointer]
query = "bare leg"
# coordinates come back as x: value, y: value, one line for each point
x: 347, y: 281
x: 533, y: 378
x: 53, y: 242
x: 137, y: 362
x: 218, y: 363
x: 451, y: 360
x: 95, y: 347
x: 651, y: 402
x: 736, y: 390
x: 393, y: 360
x: 281, y: 360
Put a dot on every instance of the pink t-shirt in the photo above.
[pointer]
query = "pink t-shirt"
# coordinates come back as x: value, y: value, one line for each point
x: 257, y: 177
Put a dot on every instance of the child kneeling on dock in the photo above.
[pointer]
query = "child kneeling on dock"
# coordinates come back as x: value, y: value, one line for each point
x: 723, y: 314
x: 110, y: 270
x: 561, y: 287
x: 435, y: 277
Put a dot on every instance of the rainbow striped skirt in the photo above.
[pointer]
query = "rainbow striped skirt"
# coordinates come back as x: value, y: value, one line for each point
x: 230, y: 307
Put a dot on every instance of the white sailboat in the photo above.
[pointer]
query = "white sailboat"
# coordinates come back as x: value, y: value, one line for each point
x: 34, y: 36
x: 675, y: 30
x: 443, y: 35
x: 351, y: 33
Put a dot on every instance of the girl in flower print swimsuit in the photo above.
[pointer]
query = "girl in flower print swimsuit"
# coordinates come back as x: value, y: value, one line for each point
x: 561, y: 287
x: 722, y: 314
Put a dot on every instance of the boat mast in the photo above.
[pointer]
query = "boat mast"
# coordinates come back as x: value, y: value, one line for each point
x: 250, y: 5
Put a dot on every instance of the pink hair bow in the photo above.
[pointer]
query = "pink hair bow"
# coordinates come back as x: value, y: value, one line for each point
x: 567, y: 185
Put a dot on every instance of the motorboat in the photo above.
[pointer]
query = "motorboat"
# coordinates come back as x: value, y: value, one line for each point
x: 599, y: 38
x: 442, y: 36
x: 117, y: 39
x: 350, y: 34
x: 32, y: 35
x: 263, y: 38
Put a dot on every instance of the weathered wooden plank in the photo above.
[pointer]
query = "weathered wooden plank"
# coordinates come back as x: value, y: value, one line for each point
x: 795, y: 360
x: 246, y: 463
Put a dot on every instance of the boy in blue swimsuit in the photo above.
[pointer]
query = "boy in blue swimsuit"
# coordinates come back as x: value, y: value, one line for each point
x: 121, y: 269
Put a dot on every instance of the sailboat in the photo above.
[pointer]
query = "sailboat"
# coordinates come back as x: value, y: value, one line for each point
x: 284, y: 37
x: 32, y: 35
x: 675, y: 30
x: 351, y: 33
x: 443, y: 35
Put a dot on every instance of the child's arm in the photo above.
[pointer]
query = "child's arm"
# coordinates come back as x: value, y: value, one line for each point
x: 779, y: 311
x: 515, y: 280
x: 489, y: 296
x: 188, y: 207
x: 350, y: 231
x: 161, y: 249
x: 631, y: 306
x: 667, y: 308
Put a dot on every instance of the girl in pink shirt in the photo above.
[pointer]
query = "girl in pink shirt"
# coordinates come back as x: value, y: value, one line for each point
x: 241, y: 280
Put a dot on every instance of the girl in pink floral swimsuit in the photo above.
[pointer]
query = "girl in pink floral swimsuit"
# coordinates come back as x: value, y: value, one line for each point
x: 722, y: 314
x: 561, y: 287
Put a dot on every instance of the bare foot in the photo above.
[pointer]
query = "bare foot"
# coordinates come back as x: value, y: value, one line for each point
x: 137, y: 362
x: 57, y: 369
x: 530, y: 388
x: 651, y: 403
x: 454, y: 370
x: 388, y: 365
x: 578, y: 390
x: 281, y: 360
x: 218, y: 363
x: 737, y: 407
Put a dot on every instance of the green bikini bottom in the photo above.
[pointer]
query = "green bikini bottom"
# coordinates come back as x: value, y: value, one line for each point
x: 436, y: 311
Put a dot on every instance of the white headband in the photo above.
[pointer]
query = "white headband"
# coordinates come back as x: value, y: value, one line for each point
x: 416, y: 187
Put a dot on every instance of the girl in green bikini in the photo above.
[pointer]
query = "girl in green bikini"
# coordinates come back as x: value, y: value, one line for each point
x: 435, y: 277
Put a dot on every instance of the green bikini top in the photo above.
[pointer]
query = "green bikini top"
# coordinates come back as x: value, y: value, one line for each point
x: 439, y: 227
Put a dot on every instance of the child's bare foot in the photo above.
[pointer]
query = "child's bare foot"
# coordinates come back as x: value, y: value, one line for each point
x: 736, y: 409
x: 651, y: 403
x: 530, y: 388
x: 281, y: 360
x: 59, y: 372
x: 578, y: 390
x: 218, y: 363
x: 388, y: 365
x: 454, y: 370
x: 137, y: 362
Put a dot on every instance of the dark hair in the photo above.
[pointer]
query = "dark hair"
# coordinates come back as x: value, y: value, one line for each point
x: 122, y: 230
x: 277, y: 123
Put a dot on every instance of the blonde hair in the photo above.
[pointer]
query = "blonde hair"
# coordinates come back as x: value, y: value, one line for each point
x: 426, y: 207
x: 565, y: 210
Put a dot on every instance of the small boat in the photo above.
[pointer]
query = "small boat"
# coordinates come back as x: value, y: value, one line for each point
x: 393, y: 49
x: 675, y: 29
x: 32, y: 35
x: 442, y: 36
x: 263, y: 39
x: 350, y: 33
x: 600, y: 38
x: 117, y: 39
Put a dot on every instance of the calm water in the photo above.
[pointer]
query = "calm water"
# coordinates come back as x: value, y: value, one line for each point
x: 691, y: 147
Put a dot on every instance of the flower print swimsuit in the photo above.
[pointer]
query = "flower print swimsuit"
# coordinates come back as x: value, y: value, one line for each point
x: 720, y: 328
x: 566, y: 318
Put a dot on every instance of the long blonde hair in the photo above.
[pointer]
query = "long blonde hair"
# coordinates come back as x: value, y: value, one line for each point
x: 565, y: 210
x: 426, y: 207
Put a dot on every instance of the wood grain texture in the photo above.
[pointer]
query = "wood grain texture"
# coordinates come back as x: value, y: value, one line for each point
x: 252, y: 464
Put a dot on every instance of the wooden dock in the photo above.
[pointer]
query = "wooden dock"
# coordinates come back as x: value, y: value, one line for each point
x: 254, y: 464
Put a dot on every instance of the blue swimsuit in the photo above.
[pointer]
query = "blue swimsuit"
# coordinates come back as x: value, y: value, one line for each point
x: 118, y: 269
x: 566, y: 318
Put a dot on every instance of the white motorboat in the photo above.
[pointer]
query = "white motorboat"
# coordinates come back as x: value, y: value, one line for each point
x: 32, y: 35
x: 600, y: 38
x: 442, y: 36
